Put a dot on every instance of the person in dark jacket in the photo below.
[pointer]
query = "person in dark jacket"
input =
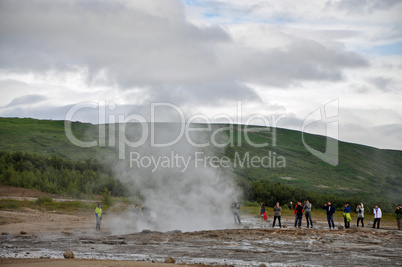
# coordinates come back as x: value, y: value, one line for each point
x: 330, y: 214
x: 290, y: 206
x: 360, y: 214
x: 346, y: 215
x: 398, y: 213
x: 298, y: 214
x: 307, y: 213
x: 235, y: 210
x: 277, y: 215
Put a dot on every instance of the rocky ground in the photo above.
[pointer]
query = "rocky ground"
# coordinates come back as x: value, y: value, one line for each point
x: 237, y: 247
x: 39, y: 238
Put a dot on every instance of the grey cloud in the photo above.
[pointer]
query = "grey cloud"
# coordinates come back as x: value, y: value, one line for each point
x: 295, y: 122
x: 363, y: 6
x: 27, y: 99
x: 394, y: 130
x: 301, y: 60
x: 384, y: 4
x: 91, y: 115
x: 391, y: 34
x: 129, y: 42
x: 327, y: 35
x: 381, y: 83
x: 83, y: 115
x: 205, y: 93
x: 43, y: 112
x: 292, y: 121
x: 10, y: 86
x: 136, y: 47
x: 155, y: 48
x: 359, y: 88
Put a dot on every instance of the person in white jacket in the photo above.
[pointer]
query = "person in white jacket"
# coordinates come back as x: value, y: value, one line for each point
x: 360, y: 214
x: 377, y: 216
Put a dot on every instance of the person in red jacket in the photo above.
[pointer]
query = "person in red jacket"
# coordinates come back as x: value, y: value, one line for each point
x: 263, y: 215
x: 298, y: 214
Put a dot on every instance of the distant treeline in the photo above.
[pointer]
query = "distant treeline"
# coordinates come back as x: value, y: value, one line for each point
x: 58, y: 175
x: 83, y: 178
x: 270, y: 193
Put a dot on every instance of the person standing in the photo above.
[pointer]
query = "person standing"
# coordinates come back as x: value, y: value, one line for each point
x: 360, y: 214
x: 263, y: 215
x: 330, y: 214
x: 377, y: 216
x: 398, y: 213
x: 277, y: 215
x: 98, y: 214
x: 290, y: 205
x: 346, y: 215
x: 235, y: 210
x: 298, y: 214
x: 307, y: 213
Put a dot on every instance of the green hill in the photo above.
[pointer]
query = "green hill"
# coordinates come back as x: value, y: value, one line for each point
x: 363, y: 171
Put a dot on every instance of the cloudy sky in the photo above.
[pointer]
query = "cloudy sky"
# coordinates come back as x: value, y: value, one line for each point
x: 206, y: 57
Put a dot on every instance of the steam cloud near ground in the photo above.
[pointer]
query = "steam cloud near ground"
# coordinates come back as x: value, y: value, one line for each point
x: 196, y: 197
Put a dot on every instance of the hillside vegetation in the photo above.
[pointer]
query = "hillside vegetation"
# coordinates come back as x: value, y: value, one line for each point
x: 363, y: 173
x: 57, y: 175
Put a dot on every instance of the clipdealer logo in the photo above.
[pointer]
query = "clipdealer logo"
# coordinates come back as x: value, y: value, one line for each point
x: 186, y: 128
x: 328, y: 114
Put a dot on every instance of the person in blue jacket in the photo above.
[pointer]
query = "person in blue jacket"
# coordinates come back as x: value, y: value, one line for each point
x: 346, y: 215
x: 330, y: 214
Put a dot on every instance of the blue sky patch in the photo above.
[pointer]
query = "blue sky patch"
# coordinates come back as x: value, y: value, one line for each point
x: 386, y: 50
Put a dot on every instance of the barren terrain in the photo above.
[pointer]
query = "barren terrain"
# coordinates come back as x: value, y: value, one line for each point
x: 46, y: 235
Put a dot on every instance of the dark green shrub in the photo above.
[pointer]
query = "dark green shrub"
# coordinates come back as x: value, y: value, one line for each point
x: 106, y: 197
x: 43, y: 199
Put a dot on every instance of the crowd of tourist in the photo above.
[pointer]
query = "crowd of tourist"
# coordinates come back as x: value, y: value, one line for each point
x: 305, y: 209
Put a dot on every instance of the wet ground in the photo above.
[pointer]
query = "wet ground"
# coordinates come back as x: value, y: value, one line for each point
x: 244, y: 245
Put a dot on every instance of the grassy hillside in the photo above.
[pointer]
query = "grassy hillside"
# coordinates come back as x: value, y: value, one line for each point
x: 363, y: 171
x: 48, y: 138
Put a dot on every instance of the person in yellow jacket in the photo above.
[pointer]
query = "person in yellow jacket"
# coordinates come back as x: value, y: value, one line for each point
x: 98, y: 214
x: 346, y: 215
